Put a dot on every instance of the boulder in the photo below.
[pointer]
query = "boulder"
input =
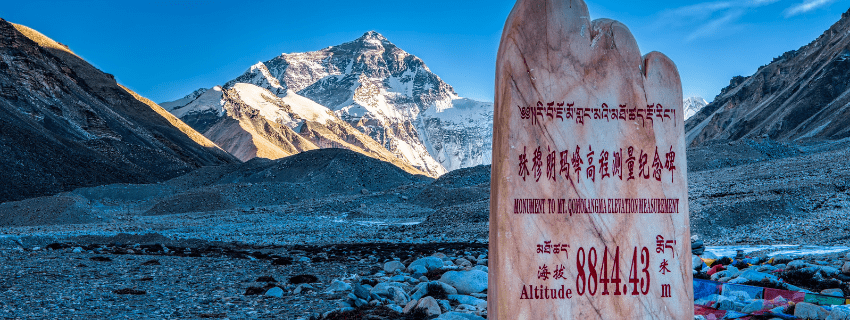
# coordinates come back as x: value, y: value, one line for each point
x: 805, y: 310
x: 304, y: 287
x: 382, y: 289
x: 833, y: 292
x: 395, y: 308
x: 828, y: 271
x: 421, y: 289
x: 469, y: 300
x: 337, y: 286
x: 839, y: 313
x: 398, y: 296
x: 845, y: 269
x: 466, y: 282
x: 432, y: 308
x: 275, y: 292
x: 430, y: 263
x: 360, y: 291
x: 463, y: 262
x: 697, y: 247
x: 393, y: 266
x: 797, y: 264
x: 417, y: 269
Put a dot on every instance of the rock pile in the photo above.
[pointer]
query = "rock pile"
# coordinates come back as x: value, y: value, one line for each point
x: 781, y: 286
x: 439, y: 286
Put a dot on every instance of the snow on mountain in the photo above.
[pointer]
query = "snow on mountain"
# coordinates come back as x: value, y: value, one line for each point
x: 250, y: 121
x: 371, y: 85
x: 183, y: 101
x: 389, y: 95
x: 693, y: 105
x: 208, y: 100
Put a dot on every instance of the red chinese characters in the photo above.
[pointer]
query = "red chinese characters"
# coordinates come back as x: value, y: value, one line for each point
x: 633, y: 164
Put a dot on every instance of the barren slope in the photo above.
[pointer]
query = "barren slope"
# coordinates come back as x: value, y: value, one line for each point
x: 65, y: 124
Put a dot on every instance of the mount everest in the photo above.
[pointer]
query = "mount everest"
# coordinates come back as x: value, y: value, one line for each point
x: 693, y: 105
x: 366, y: 95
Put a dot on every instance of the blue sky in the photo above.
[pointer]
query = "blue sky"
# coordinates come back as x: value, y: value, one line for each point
x: 164, y: 50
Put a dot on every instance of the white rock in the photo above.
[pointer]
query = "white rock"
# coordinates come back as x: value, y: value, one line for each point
x: 469, y: 300
x: 430, y: 263
x: 393, y: 266
x: 429, y: 304
x: 839, y: 313
x: 398, y: 295
x: 337, y: 286
x: 807, y: 310
x: 833, y: 292
x: 466, y: 282
x: 382, y: 289
x: 417, y: 269
x: 845, y: 269
x: 275, y: 292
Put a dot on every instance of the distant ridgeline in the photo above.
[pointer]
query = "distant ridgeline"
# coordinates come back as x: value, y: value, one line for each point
x: 800, y: 96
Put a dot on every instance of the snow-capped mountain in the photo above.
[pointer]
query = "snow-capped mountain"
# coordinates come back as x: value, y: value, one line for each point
x: 693, y: 105
x: 383, y: 92
x: 249, y: 121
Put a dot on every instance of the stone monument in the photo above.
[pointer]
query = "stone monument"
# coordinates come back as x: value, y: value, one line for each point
x: 589, y: 202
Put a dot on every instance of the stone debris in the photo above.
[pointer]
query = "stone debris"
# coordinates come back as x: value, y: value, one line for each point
x: 218, y: 280
x: 782, y: 286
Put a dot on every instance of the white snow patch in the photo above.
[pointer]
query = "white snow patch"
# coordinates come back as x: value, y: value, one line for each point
x: 209, y: 100
x: 256, y: 98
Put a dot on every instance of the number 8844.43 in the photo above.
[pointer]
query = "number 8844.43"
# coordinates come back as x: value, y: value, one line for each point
x: 588, y: 279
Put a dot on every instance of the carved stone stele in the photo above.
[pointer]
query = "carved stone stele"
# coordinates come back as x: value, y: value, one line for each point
x: 589, y: 206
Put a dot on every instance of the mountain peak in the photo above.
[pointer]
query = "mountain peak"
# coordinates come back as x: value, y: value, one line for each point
x: 372, y: 35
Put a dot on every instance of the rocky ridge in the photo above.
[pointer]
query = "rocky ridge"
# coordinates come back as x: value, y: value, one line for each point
x: 65, y: 124
x: 800, y: 96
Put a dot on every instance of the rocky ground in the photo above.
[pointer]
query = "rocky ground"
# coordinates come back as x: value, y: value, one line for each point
x: 217, y: 242
x: 325, y: 227
x: 151, y: 276
x: 766, y: 192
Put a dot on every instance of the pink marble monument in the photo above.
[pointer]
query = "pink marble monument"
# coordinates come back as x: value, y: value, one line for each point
x: 589, y: 202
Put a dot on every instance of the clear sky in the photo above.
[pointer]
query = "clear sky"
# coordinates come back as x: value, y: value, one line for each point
x: 165, y: 50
